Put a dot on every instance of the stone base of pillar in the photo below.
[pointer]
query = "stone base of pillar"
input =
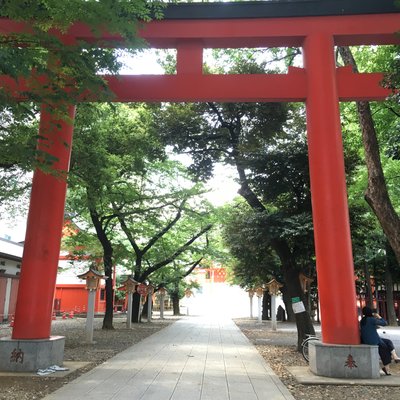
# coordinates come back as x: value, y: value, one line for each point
x: 344, y: 361
x: 18, y: 355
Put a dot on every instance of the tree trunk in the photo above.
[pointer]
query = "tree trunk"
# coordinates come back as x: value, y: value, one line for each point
x: 292, y: 283
x: 368, y: 285
x: 108, y: 271
x: 144, y: 309
x: 376, y: 195
x: 266, y: 307
x: 288, y: 305
x: 391, y: 312
x: 108, y: 264
x: 135, y: 308
x: 303, y: 320
x: 175, y: 303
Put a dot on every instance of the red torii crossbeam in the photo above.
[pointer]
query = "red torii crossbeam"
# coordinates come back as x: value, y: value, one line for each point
x: 320, y: 84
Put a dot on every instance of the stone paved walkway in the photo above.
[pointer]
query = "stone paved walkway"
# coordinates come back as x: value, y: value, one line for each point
x: 196, y: 358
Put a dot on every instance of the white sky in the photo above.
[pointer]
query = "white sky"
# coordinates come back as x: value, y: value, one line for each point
x: 224, y: 188
x: 13, y: 229
x: 144, y: 63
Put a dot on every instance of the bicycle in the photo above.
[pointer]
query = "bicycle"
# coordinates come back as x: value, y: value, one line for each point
x: 305, y: 345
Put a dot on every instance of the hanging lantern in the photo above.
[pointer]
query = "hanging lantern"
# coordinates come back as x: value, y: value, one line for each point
x: 92, y: 278
x: 251, y: 292
x: 260, y: 291
x: 129, y: 285
x: 273, y: 287
x: 305, y: 282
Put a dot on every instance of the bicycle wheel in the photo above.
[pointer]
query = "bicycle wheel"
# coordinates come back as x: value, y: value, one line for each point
x: 305, y: 347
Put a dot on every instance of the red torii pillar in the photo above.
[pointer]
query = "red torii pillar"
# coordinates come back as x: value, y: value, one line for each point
x: 44, y: 229
x: 332, y: 238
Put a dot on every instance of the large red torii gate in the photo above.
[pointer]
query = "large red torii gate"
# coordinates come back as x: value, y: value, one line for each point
x: 320, y: 84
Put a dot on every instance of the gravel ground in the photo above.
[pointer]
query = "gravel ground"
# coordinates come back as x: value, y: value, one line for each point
x: 278, y: 349
x: 108, y: 344
x: 280, y: 352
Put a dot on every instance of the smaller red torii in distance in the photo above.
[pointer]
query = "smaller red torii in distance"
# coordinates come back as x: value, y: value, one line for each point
x: 320, y: 84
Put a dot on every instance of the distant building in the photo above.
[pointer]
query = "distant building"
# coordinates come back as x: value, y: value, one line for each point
x: 209, y: 275
x: 10, y: 267
x: 70, y: 292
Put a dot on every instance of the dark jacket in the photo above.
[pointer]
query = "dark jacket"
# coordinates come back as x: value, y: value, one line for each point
x: 369, y: 334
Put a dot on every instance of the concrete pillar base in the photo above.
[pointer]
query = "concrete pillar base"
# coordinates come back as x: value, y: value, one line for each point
x: 29, y: 355
x: 344, y: 361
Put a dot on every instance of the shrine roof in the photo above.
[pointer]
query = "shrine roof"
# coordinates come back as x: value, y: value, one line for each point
x: 278, y: 8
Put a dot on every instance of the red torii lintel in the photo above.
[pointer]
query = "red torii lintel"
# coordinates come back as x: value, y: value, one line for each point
x: 291, y: 87
x: 319, y: 84
x: 347, y: 30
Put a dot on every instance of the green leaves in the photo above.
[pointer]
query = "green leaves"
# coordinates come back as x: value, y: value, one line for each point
x: 147, y: 206
x: 116, y: 16
x: 71, y: 67
x: 58, y: 73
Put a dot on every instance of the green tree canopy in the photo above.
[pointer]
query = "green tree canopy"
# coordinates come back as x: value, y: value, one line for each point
x: 142, y: 206
x: 71, y: 67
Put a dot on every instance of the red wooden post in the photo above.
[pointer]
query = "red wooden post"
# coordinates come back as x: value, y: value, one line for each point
x: 333, y: 249
x: 44, y: 229
x: 189, y: 57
